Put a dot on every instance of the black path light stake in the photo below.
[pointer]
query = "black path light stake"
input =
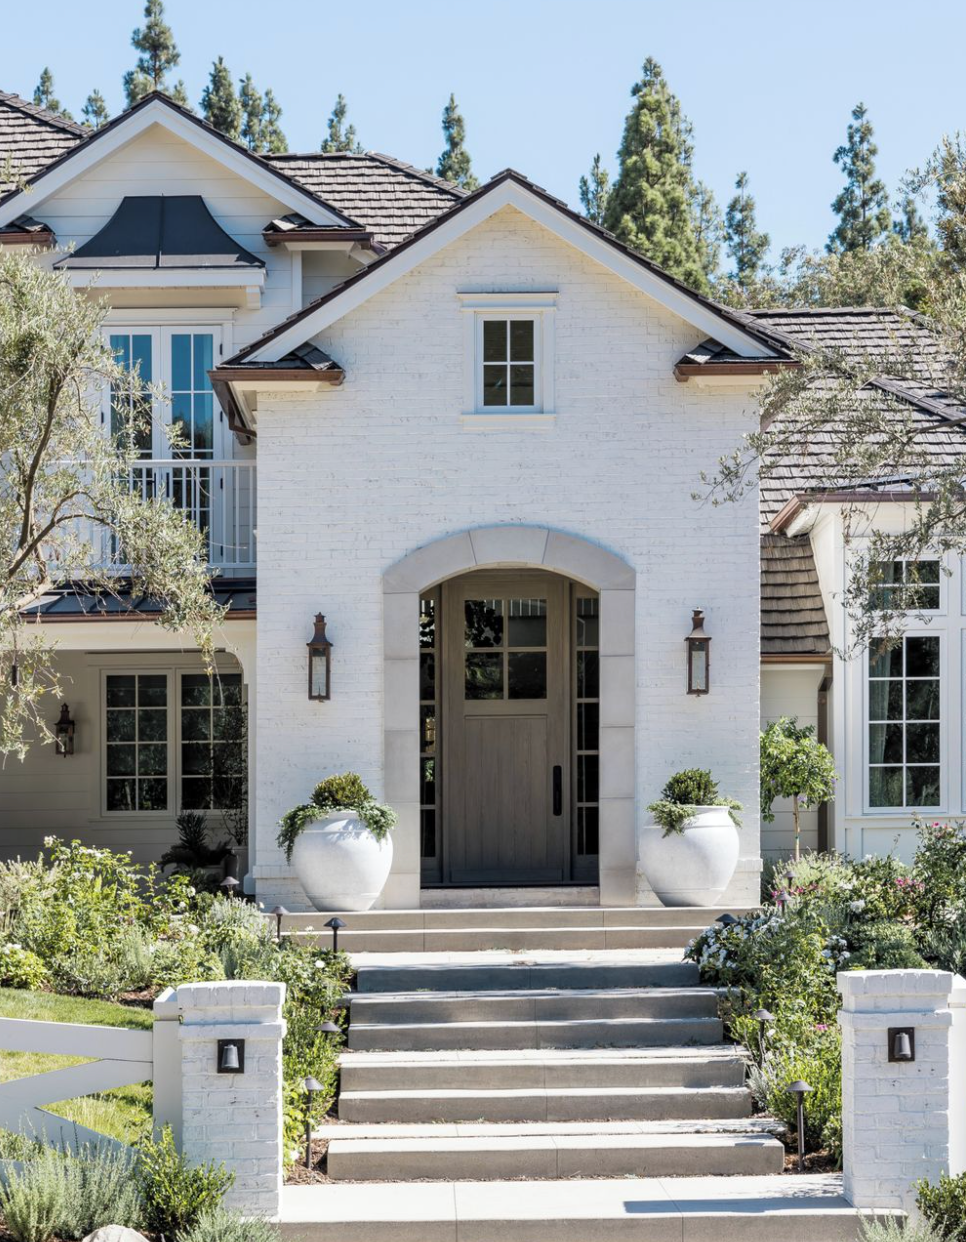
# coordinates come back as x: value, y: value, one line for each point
x: 312, y: 1086
x: 229, y: 884
x: 336, y: 924
x: 328, y: 1028
x: 762, y: 1017
x: 800, y: 1089
x: 726, y: 920
x: 279, y: 912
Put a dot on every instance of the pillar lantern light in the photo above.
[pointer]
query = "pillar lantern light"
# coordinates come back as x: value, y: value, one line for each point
x: 64, y: 732
x: 699, y: 655
x: 320, y: 662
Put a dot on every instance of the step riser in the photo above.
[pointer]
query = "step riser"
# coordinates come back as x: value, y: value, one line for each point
x: 532, y: 1009
x: 509, y: 939
x: 552, y: 917
x: 672, y: 1106
x: 551, y: 1159
x: 534, y: 1035
x: 498, y: 978
x: 533, y: 1077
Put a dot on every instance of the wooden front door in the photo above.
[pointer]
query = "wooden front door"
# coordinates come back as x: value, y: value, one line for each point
x: 506, y: 746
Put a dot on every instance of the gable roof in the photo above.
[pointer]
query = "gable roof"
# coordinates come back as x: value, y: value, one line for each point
x: 510, y: 188
x: 31, y: 138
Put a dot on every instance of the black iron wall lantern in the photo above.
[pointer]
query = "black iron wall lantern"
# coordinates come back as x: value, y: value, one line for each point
x: 64, y: 732
x: 320, y: 662
x: 699, y: 655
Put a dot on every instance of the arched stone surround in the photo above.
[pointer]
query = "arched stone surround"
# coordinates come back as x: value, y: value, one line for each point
x: 507, y: 546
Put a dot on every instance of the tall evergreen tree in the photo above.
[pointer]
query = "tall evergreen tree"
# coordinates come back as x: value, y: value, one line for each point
x: 339, y: 139
x: 650, y: 205
x: 273, y: 140
x: 219, y: 103
x: 594, y: 191
x: 159, y: 55
x: 746, y: 245
x: 910, y: 226
x: 252, y: 106
x: 94, y: 112
x: 708, y: 228
x: 863, y: 205
x: 454, y: 163
x: 44, y: 96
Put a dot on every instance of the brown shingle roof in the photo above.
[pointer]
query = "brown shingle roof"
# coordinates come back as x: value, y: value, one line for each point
x: 793, y: 618
x: 31, y: 138
x: 390, y: 198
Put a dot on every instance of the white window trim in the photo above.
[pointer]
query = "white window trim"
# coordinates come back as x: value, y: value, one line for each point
x: 928, y: 613
x: 477, y: 307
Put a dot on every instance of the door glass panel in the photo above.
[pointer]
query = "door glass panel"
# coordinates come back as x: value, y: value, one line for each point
x: 484, y: 622
x: 192, y: 410
x: 527, y: 675
x: 588, y: 625
x: 484, y: 675
x: 130, y: 404
x: 527, y: 622
x: 588, y: 675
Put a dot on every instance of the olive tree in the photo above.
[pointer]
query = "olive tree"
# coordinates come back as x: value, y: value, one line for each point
x: 66, y: 490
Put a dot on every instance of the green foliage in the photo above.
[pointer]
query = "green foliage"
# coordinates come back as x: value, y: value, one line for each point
x: 684, y: 794
x: 454, y: 164
x: 159, y: 55
x: 816, y: 1060
x: 44, y: 96
x: 33, y: 1200
x: 944, y: 1205
x: 193, y: 852
x: 219, y: 102
x: 176, y: 1193
x: 335, y: 793
x: 651, y: 205
x: 220, y: 1225
x: 885, y: 945
x: 594, y: 191
x: 273, y: 140
x: 19, y: 968
x: 94, y: 112
x: 891, y: 1229
x: 338, y: 139
x: 65, y: 1195
x: 939, y: 870
x: 863, y: 203
x: 944, y: 943
x: 746, y: 245
x: 794, y: 764
x: 183, y: 961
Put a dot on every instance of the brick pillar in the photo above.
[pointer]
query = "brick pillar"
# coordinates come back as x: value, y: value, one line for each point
x: 901, y: 1120
x: 235, y: 1119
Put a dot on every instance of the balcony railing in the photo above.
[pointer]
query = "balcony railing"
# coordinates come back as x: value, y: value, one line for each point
x: 219, y: 497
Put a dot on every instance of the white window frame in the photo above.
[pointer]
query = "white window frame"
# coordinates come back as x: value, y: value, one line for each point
x: 477, y: 308
x: 940, y: 611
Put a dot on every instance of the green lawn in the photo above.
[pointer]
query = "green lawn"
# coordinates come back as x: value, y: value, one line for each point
x: 121, y: 1113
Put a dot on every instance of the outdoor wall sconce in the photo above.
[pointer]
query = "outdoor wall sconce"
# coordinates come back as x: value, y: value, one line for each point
x: 320, y: 662
x: 231, y: 1056
x: 699, y: 655
x: 902, y: 1043
x: 64, y: 732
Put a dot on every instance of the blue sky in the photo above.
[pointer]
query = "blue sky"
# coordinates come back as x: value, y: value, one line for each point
x: 543, y: 85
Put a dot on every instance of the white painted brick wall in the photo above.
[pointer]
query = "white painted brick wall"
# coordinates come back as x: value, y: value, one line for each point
x: 901, y: 1121
x: 235, y: 1119
x: 350, y: 480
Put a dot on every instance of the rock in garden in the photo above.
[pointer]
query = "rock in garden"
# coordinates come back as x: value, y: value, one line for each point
x: 114, y: 1233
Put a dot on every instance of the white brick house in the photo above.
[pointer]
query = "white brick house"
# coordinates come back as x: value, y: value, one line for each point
x: 420, y: 403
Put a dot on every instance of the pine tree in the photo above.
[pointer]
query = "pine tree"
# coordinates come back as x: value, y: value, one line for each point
x: 744, y: 243
x: 273, y: 140
x: 863, y: 205
x: 454, y: 163
x: 708, y: 228
x: 252, y: 107
x: 159, y: 55
x: 594, y: 191
x: 910, y: 226
x: 94, y: 112
x: 337, y: 139
x: 44, y: 95
x: 650, y: 205
x: 219, y: 103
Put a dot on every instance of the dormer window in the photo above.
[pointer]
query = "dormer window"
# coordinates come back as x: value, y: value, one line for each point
x: 508, y: 366
x: 508, y: 359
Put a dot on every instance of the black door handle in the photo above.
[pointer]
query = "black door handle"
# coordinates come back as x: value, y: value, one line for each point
x: 557, y: 789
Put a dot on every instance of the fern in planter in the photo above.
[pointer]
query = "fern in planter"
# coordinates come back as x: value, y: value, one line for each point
x: 684, y: 795
x: 336, y: 793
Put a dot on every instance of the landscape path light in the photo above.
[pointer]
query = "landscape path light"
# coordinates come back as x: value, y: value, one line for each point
x: 279, y: 912
x: 799, y: 1090
x: 312, y: 1088
x: 336, y: 924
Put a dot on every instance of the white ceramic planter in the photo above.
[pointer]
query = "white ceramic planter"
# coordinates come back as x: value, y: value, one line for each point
x: 694, y: 867
x: 340, y: 864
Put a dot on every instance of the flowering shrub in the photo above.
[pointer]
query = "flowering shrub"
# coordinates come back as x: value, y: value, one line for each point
x: 939, y: 870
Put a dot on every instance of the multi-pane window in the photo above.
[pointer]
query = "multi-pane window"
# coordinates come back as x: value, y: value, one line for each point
x: 130, y: 404
x: 192, y: 400
x: 136, y: 725
x: 587, y: 749
x: 213, y: 739
x: 508, y: 362
x: 428, y: 725
x: 904, y: 724
x: 506, y: 649
x: 906, y: 585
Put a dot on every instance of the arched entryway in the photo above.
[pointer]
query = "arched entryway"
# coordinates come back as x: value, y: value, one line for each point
x: 510, y: 702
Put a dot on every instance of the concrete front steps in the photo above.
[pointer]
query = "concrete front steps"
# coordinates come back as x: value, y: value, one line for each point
x: 809, y: 1208
x: 515, y: 929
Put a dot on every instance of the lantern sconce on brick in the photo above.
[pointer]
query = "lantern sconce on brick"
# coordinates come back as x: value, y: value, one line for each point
x: 699, y: 655
x: 320, y: 662
x: 64, y: 732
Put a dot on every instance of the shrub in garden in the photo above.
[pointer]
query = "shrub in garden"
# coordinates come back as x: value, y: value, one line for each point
x: 19, y: 968
x: 220, y: 1225
x: 944, y: 942
x: 33, y: 1199
x: 99, y: 1189
x: 183, y: 961
x: 944, y: 1205
x: 885, y: 945
x: 939, y: 870
x: 684, y: 794
x: 892, y: 1230
x: 176, y: 1194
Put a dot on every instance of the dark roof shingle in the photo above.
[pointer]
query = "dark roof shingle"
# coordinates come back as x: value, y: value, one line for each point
x: 793, y: 620
x: 31, y: 138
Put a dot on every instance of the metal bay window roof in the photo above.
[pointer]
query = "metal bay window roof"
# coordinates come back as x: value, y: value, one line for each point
x: 161, y: 232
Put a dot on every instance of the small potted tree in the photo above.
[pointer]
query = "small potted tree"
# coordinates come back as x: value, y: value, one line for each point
x: 339, y: 844
x: 794, y: 764
x: 691, y: 852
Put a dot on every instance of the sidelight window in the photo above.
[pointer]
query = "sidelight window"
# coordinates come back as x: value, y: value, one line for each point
x: 428, y: 725
x: 587, y: 708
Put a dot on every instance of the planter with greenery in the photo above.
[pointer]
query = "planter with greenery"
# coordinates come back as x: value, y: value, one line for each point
x: 794, y: 764
x: 690, y: 854
x: 339, y: 844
